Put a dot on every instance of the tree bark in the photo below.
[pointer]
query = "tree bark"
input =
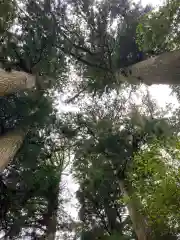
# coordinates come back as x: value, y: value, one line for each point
x: 51, y: 216
x: 14, y: 81
x: 51, y: 220
x: 10, y: 143
x: 162, y: 69
x: 139, y: 222
x: 51, y: 231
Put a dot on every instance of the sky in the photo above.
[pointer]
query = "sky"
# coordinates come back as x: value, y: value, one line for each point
x: 152, y: 2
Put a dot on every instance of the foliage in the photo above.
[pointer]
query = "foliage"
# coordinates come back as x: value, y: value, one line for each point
x: 7, y: 15
x: 155, y: 175
x: 31, y: 45
x: 104, y: 148
x: 158, y: 31
x: 104, y: 42
x: 31, y: 187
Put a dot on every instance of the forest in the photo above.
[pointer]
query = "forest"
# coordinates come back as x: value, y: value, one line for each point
x: 76, y: 109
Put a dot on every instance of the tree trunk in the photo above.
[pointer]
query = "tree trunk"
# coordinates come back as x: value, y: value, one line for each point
x: 51, y: 231
x: 51, y: 217
x: 9, y: 145
x: 162, y: 69
x: 52, y: 234
x: 139, y: 222
x: 14, y: 81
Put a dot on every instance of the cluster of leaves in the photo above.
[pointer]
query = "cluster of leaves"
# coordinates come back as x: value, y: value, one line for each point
x: 31, y: 45
x: 96, y: 169
x: 158, y: 31
x: 106, y: 143
x: 7, y: 15
x: 155, y: 174
x: 105, y: 41
x: 31, y: 186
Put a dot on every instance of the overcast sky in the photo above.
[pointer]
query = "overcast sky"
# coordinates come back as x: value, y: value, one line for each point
x: 152, y: 2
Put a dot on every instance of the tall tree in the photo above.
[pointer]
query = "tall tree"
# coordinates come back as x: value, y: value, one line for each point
x: 32, y: 51
x: 106, y: 145
x: 100, y: 43
x: 20, y: 113
x: 30, y: 47
x: 31, y: 187
x: 154, y: 174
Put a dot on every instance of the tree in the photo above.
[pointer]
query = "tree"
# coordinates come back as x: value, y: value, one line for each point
x: 7, y: 15
x: 25, y: 184
x: 100, y: 46
x: 20, y: 113
x: 106, y: 144
x: 155, y: 70
x: 32, y: 51
x: 99, y: 49
x: 106, y: 136
x: 154, y: 175
x: 100, y: 212
x: 158, y: 31
x: 31, y: 187
x: 10, y: 82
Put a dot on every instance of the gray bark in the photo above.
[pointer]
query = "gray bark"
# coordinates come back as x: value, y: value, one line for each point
x: 139, y: 221
x: 10, y: 143
x: 162, y: 69
x: 15, y: 81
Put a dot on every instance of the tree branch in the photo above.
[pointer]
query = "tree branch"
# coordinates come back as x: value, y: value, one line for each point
x: 83, y: 48
x: 75, y: 96
x: 82, y: 60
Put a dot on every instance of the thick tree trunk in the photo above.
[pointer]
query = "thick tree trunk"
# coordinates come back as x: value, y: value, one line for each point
x: 139, y: 222
x: 14, y: 81
x: 9, y: 145
x: 162, y: 69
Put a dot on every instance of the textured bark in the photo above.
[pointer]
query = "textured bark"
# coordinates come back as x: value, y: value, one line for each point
x: 14, y: 81
x: 139, y: 222
x: 162, y: 69
x: 9, y: 145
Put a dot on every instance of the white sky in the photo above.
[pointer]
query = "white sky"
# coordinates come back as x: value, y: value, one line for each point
x: 152, y: 2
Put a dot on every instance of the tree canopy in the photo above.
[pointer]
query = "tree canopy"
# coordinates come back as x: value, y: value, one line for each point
x: 85, y: 119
